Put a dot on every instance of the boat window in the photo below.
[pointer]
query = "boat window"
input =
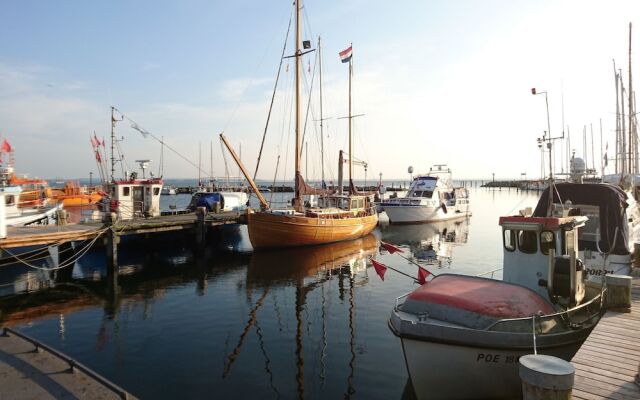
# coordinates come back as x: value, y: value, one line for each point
x: 10, y: 200
x: 547, y: 241
x: 156, y: 191
x: 360, y: 203
x: 528, y: 242
x: 591, y: 230
x: 126, y: 191
x: 147, y: 191
x: 113, y: 191
x: 417, y: 194
x: 344, y: 204
x: 354, y: 203
x: 509, y: 239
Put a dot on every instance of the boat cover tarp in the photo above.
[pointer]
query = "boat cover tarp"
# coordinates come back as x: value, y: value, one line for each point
x: 488, y: 297
x: 612, y: 202
x: 206, y: 200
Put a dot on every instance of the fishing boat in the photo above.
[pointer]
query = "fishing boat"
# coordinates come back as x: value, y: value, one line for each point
x: 14, y: 215
x: 431, y: 198
x: 337, y: 217
x: 456, y: 325
x: 74, y: 195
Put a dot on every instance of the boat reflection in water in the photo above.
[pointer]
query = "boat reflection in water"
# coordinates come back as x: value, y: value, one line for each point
x: 430, y: 244
x: 272, y: 275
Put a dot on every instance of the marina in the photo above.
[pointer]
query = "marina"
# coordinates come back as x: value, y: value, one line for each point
x: 309, y: 200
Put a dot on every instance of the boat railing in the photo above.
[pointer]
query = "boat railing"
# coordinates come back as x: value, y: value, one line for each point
x: 492, y: 272
x: 400, y: 298
x: 565, y: 314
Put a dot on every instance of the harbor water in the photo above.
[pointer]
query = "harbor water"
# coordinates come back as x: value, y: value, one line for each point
x: 229, y: 323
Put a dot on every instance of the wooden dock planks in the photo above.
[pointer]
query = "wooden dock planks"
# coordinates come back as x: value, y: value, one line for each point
x: 608, y: 361
x: 53, y: 234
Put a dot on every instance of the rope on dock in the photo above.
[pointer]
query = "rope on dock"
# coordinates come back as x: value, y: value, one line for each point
x: 69, y: 262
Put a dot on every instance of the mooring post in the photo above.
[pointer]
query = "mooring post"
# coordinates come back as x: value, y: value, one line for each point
x: 112, y: 243
x: 201, y: 229
x: 546, y: 377
x: 3, y: 216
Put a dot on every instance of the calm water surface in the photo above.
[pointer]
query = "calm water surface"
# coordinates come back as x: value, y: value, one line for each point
x: 303, y: 323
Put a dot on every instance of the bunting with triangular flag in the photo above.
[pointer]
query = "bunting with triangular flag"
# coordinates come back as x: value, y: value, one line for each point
x: 423, y: 274
x: 390, y: 248
x: 380, y: 268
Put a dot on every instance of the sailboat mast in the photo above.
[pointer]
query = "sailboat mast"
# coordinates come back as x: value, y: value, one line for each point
x: 632, y: 149
x: 350, y: 138
x: 297, y: 201
x: 321, y: 122
x: 113, y: 144
x: 632, y: 168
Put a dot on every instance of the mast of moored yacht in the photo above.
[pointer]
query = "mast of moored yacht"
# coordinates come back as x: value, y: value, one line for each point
x: 297, y: 201
x: 321, y: 116
x: 350, y: 139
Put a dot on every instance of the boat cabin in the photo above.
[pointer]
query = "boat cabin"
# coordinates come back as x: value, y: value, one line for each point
x: 135, y: 197
x: 541, y: 253
x: 338, y: 206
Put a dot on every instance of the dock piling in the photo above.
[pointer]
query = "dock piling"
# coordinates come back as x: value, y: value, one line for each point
x: 546, y: 377
x: 200, y: 227
x: 3, y: 216
x: 112, y: 243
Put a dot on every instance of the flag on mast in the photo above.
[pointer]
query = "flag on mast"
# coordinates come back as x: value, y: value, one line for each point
x: 345, y: 55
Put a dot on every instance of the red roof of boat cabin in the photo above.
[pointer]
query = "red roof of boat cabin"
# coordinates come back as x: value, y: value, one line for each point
x: 482, y: 296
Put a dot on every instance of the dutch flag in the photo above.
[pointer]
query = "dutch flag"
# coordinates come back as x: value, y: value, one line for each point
x: 345, y: 55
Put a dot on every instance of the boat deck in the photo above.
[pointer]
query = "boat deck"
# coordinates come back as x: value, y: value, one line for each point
x: 607, y: 362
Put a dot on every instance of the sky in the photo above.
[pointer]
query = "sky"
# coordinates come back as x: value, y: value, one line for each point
x: 438, y: 82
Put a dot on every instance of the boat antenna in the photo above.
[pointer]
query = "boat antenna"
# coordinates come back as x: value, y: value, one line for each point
x: 113, y: 142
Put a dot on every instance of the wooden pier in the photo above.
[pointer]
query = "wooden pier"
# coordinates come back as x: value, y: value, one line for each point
x: 607, y: 363
x: 53, y: 234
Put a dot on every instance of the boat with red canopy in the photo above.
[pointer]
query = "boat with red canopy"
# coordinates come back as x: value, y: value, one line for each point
x: 465, y: 326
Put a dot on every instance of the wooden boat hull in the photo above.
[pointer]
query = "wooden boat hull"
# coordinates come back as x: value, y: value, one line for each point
x: 269, y: 230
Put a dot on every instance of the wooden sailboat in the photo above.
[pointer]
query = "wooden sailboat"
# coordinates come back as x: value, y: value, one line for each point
x: 336, y: 218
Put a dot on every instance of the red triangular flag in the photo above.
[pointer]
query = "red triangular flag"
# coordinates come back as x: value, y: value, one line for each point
x: 390, y: 248
x: 98, y: 157
x: 380, y: 268
x: 422, y: 275
x: 6, y: 147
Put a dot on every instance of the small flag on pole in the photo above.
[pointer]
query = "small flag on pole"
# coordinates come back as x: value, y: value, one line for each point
x: 6, y: 147
x: 422, y: 275
x: 390, y: 248
x: 345, y: 55
x: 380, y: 268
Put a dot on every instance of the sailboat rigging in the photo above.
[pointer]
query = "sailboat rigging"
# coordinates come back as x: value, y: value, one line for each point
x: 336, y: 218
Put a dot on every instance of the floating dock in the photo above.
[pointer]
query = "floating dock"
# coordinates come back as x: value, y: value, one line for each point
x: 608, y: 361
x: 32, y: 370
